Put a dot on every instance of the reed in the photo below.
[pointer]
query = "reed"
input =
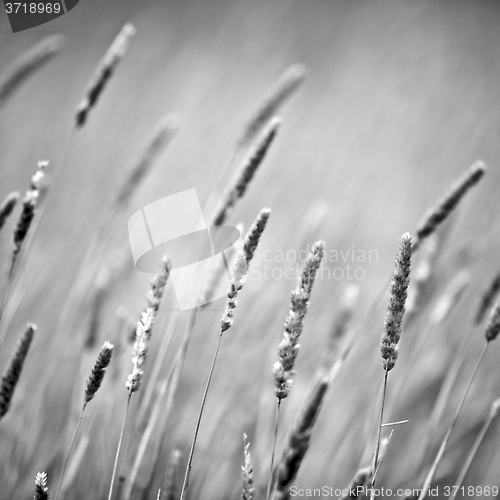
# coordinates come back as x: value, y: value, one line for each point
x: 12, y: 373
x: 28, y: 64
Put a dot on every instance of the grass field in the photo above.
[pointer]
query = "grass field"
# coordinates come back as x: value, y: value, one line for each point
x: 400, y: 99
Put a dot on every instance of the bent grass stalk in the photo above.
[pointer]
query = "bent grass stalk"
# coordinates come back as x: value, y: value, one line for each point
x: 442, y: 310
x: 389, y: 343
x: 444, y: 443
x: 238, y: 278
x: 93, y: 384
x: 283, y: 369
x: 495, y: 408
x: 165, y: 395
x: 434, y: 217
x: 491, y: 333
x: 141, y: 346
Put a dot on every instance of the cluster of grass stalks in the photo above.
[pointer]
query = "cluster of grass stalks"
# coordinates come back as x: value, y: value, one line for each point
x: 144, y: 401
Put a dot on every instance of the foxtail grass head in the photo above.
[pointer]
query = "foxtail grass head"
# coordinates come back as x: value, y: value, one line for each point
x: 104, y: 72
x: 437, y: 214
x: 41, y: 490
x: 14, y: 368
x: 239, y: 184
x: 493, y: 326
x: 162, y: 138
x: 247, y: 489
x: 28, y: 64
x: 8, y: 206
x: 396, y: 308
x: 299, y: 435
x: 98, y: 370
x: 288, y: 348
x: 287, y: 85
x: 487, y: 299
x: 241, y: 266
x: 28, y: 208
x: 145, y: 326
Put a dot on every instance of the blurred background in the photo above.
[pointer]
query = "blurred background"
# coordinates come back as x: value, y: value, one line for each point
x: 401, y: 97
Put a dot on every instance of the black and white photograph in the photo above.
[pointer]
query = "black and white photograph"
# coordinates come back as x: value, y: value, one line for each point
x: 249, y: 249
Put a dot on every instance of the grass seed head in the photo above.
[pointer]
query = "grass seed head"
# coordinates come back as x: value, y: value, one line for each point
x: 436, y: 215
x: 41, y: 490
x: 289, y: 82
x: 239, y: 184
x: 28, y: 208
x: 28, y: 64
x: 396, y: 308
x: 98, y: 370
x: 493, y: 327
x: 145, y: 326
x: 240, y: 270
x: 104, y: 72
x: 299, y: 436
x: 14, y: 368
x: 162, y: 138
x: 8, y: 206
x: 288, y: 348
x: 247, y: 490
x: 361, y: 479
x: 487, y: 299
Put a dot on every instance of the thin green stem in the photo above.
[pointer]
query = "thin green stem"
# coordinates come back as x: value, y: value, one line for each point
x: 198, y: 422
x: 68, y: 455
x: 275, y: 438
x: 444, y: 443
x: 115, y: 466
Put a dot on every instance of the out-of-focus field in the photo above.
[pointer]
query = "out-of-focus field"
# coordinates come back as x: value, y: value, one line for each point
x: 401, y: 98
